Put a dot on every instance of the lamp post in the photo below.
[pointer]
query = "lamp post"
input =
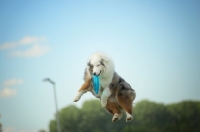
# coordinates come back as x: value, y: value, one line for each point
x: 57, y: 116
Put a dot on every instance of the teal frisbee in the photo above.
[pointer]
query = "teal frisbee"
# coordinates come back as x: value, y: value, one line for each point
x: 95, y: 81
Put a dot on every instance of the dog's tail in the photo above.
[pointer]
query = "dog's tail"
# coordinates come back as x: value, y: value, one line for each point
x: 125, y: 91
x: 133, y: 95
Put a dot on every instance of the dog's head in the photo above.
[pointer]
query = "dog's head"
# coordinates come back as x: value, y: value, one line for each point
x: 96, y: 65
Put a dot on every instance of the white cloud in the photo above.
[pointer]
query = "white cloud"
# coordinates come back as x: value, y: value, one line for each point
x: 25, y: 40
x: 29, y: 40
x: 8, y: 45
x: 36, y: 50
x: 13, y: 82
x: 7, y: 92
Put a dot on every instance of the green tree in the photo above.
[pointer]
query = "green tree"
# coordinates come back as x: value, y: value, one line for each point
x: 41, y: 131
x: 52, y: 126
x: 0, y: 127
x: 186, y: 116
x: 70, y: 118
x: 148, y: 117
x: 100, y: 120
x: 151, y: 117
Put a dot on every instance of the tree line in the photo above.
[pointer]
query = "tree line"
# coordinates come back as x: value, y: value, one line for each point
x: 148, y: 117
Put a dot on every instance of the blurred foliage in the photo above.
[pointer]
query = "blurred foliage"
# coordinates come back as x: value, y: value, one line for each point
x: 42, y: 131
x: 0, y: 127
x: 148, y: 117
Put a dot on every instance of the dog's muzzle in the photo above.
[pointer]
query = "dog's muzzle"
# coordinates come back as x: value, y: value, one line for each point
x: 95, y: 74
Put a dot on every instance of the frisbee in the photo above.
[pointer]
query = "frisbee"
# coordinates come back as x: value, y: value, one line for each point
x: 95, y: 81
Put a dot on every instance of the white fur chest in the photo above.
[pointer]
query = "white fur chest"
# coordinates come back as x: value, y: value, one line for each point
x: 105, y: 81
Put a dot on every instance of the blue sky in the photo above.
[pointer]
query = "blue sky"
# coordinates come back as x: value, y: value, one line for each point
x: 155, y: 46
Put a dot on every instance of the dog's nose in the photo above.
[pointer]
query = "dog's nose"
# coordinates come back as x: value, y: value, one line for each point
x: 94, y: 73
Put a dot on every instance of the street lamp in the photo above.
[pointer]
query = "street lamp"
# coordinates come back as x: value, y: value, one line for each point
x: 57, y: 116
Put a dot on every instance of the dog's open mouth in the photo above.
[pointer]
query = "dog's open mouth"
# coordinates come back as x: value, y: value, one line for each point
x: 97, y: 74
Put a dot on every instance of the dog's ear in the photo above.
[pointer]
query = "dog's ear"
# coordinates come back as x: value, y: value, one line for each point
x: 89, y: 64
x: 104, y: 59
x: 102, y: 62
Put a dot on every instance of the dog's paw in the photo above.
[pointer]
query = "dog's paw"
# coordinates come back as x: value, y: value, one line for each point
x: 76, y: 99
x: 129, y: 118
x: 115, y: 117
x: 103, y: 104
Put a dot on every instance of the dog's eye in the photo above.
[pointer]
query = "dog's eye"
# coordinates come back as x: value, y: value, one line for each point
x: 98, y: 65
x: 90, y: 66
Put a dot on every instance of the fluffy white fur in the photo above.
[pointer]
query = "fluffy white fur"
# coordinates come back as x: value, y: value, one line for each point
x: 105, y: 73
x: 103, y: 66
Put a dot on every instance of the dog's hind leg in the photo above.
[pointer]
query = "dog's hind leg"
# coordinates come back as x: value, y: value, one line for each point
x: 113, y: 108
x: 126, y: 104
x: 84, y: 88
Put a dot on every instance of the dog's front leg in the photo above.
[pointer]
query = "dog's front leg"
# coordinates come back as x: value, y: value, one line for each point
x: 104, y: 97
x: 84, y: 88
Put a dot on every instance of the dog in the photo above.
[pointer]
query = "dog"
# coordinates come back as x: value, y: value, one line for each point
x: 118, y: 96
x: 99, y: 64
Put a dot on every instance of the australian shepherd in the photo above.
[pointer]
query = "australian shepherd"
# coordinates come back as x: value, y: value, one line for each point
x: 115, y: 93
